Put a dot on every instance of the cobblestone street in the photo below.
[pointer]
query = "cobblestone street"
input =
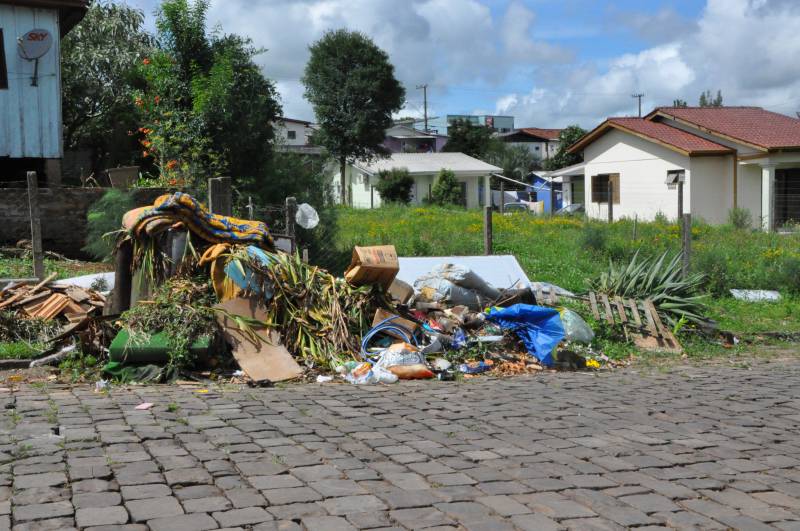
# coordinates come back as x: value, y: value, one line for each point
x: 709, y: 448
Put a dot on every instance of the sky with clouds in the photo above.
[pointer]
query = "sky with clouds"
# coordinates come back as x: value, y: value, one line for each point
x: 548, y: 63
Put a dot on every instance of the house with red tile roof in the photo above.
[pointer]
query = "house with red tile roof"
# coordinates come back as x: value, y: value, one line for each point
x: 542, y: 143
x: 726, y: 157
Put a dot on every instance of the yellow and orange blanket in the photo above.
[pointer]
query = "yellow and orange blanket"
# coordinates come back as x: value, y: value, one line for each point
x: 169, y: 209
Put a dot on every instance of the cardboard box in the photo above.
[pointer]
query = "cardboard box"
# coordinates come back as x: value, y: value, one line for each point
x: 373, y: 265
x: 381, y: 315
x: 401, y: 291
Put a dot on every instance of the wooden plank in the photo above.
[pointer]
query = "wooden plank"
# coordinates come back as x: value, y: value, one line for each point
x: 621, y: 310
x: 662, y: 330
x: 36, y: 226
x: 607, y: 308
x: 33, y: 298
x: 40, y: 285
x: 635, y: 312
x: 651, y: 324
x: 593, y: 302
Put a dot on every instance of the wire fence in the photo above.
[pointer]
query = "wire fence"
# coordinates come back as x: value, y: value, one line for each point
x: 318, y: 245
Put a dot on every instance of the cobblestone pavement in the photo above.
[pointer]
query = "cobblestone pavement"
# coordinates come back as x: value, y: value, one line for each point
x: 693, y: 448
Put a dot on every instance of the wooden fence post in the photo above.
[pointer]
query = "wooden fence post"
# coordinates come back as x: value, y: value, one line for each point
x: 610, y: 201
x: 552, y: 198
x: 219, y: 196
x: 686, y: 244
x: 502, y: 196
x: 291, y: 213
x: 680, y: 201
x: 36, y: 226
x: 123, y: 278
x: 487, y: 230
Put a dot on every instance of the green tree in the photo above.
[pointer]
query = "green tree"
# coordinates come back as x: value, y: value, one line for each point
x: 708, y: 100
x: 208, y: 109
x: 679, y: 103
x: 394, y: 186
x: 352, y: 87
x: 447, y: 189
x: 473, y: 140
x: 517, y: 161
x: 566, y: 139
x: 99, y: 60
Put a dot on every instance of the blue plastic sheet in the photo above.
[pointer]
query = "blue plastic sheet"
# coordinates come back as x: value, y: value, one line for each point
x: 539, y: 328
x: 244, y: 277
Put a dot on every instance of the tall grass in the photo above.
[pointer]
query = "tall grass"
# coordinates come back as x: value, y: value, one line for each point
x: 567, y: 251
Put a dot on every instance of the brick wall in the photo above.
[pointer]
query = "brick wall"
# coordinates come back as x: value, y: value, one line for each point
x: 63, y: 213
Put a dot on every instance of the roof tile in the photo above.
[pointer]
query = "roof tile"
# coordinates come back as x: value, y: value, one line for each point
x: 672, y: 136
x: 752, y: 125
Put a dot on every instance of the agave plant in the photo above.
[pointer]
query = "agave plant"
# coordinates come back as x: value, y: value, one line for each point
x: 659, y: 280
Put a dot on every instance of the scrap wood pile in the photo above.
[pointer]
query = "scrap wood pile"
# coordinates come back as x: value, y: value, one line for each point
x: 50, y: 318
x: 47, y: 300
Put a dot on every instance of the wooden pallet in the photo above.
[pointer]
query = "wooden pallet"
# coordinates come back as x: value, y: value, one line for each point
x: 546, y: 298
x: 649, y: 331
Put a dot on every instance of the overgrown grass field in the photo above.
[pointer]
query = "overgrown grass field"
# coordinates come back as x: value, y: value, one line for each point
x: 568, y: 250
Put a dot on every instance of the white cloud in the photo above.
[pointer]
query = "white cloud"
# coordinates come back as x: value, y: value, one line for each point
x: 747, y: 49
x: 439, y: 42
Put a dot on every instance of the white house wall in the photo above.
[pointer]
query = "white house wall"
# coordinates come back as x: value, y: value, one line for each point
x: 642, y: 166
x: 365, y: 196
x: 749, y: 176
x: 30, y: 123
x: 301, y: 132
x: 711, y: 188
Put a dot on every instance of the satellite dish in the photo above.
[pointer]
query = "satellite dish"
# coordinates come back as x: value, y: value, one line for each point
x: 306, y: 216
x: 35, y: 44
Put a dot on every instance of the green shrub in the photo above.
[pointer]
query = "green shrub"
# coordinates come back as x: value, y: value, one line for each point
x: 715, y: 264
x: 740, y: 218
x: 103, y: 218
x: 594, y: 238
x: 447, y: 189
x: 394, y: 186
x: 789, y: 274
x: 661, y: 218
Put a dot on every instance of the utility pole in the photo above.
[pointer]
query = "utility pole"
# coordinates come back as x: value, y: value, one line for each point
x: 424, y: 88
x: 639, y: 97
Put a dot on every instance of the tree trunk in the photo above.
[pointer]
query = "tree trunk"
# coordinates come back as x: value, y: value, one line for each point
x: 342, y: 180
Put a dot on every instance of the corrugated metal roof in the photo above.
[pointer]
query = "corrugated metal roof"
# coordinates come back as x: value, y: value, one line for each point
x: 427, y: 163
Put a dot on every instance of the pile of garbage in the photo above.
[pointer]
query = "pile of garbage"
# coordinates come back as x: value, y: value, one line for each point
x: 196, y: 291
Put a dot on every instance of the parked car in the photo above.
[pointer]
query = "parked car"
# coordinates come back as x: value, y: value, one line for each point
x: 574, y: 208
x: 508, y: 208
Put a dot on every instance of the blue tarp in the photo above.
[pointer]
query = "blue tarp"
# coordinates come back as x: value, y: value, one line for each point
x: 539, y: 328
x: 243, y: 276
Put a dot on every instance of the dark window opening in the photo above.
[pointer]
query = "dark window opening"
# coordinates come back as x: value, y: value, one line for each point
x: 3, y: 71
x: 787, y: 196
x: 600, y: 187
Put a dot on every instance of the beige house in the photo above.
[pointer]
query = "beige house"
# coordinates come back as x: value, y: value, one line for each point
x: 728, y: 157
